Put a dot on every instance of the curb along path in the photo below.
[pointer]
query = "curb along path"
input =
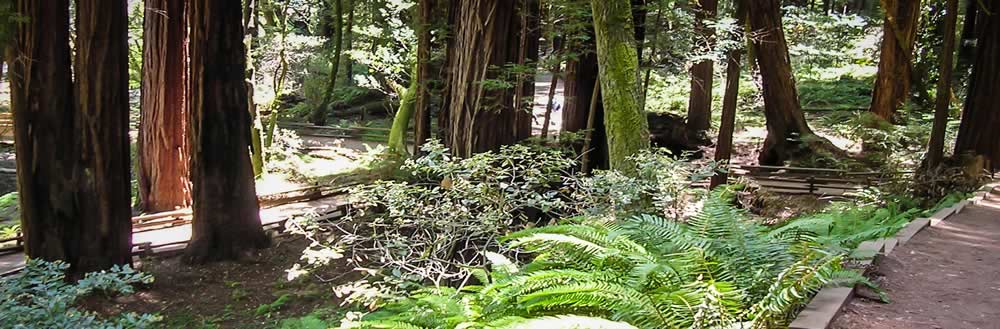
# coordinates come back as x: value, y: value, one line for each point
x: 944, y: 274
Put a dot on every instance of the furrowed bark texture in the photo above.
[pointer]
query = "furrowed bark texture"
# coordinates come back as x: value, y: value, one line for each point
x: 979, y: 134
x: 44, y: 113
x: 102, y: 130
x: 892, y: 83
x: 422, y: 111
x: 226, y: 223
x: 164, y: 182
x: 479, y: 113
x: 625, y: 122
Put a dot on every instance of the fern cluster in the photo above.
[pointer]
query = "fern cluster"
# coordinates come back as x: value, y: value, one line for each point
x: 717, y: 270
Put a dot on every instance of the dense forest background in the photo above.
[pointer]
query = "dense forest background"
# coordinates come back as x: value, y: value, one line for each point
x: 492, y: 162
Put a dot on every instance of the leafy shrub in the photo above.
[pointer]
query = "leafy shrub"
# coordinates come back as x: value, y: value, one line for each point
x: 41, y: 298
x: 438, y: 221
x: 661, y: 185
x: 717, y: 270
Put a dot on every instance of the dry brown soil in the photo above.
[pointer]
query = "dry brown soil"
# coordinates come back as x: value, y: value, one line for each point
x: 946, y: 277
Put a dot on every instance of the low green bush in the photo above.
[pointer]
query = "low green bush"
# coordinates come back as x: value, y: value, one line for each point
x: 40, y: 297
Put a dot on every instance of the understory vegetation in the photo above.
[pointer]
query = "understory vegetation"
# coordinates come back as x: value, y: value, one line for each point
x: 515, y: 238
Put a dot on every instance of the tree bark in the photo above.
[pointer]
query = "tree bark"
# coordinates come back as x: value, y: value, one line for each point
x: 724, y: 146
x: 44, y: 116
x: 702, y: 73
x: 786, y: 124
x: 422, y: 115
x: 892, y: 83
x: 625, y: 122
x: 978, y: 134
x: 935, y: 149
x: 578, y: 90
x: 479, y: 110
x: 346, y: 62
x: 163, y: 155
x: 102, y: 130
x: 967, y: 46
x: 226, y: 222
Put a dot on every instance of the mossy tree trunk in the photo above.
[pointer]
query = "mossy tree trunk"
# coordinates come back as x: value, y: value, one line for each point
x: 479, y: 113
x: 699, y: 117
x: 625, y: 122
x: 164, y: 182
x: 788, y: 134
x: 892, y: 83
x: 226, y: 220
x: 978, y: 134
x: 401, y: 122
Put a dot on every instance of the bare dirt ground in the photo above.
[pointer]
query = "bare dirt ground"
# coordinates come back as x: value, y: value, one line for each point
x: 946, y: 277
x: 230, y: 294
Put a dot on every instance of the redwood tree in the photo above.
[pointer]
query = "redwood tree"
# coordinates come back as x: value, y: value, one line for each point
x: 702, y: 73
x: 786, y: 124
x: 73, y: 152
x: 892, y: 83
x: 978, y: 134
x: 625, y: 123
x: 226, y: 223
x: 479, y: 113
x: 163, y: 147
x: 581, y: 78
x: 102, y: 129
x: 42, y: 104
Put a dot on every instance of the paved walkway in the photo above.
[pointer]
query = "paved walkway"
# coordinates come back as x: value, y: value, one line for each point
x: 948, y: 277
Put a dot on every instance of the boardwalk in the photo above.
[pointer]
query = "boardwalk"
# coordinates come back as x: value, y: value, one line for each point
x: 174, y: 238
x: 948, y: 276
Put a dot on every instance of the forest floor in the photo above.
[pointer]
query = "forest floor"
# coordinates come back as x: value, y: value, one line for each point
x: 945, y: 277
x: 254, y: 293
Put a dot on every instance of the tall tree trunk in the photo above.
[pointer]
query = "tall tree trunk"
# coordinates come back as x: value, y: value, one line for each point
x: 346, y: 62
x: 164, y: 182
x: 786, y: 124
x: 978, y: 134
x: 226, y: 223
x: 527, y: 59
x: 579, y: 90
x: 892, y: 83
x: 102, y: 130
x: 935, y: 150
x: 724, y: 146
x: 44, y: 116
x: 639, y: 13
x: 422, y: 115
x: 967, y: 45
x: 479, y: 117
x: 626, y: 125
x: 319, y: 114
x: 702, y: 73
